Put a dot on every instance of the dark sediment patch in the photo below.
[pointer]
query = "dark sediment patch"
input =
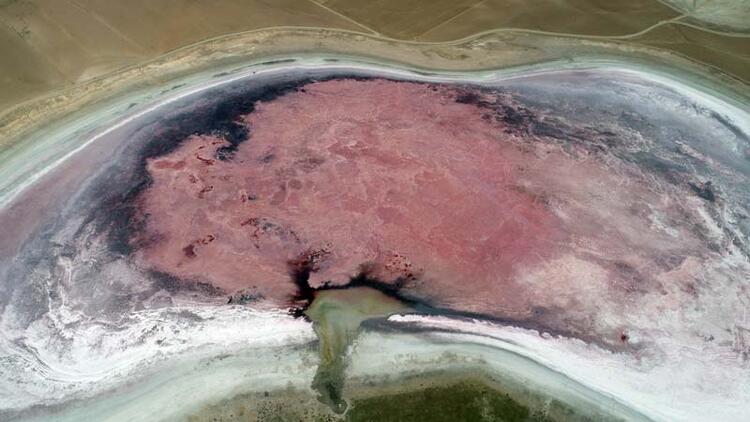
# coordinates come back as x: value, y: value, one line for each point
x: 704, y: 190
x: 172, y: 284
x: 502, y: 109
x: 226, y: 113
x: 277, y: 61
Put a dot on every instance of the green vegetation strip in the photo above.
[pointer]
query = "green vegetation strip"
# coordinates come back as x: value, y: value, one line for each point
x: 464, y: 401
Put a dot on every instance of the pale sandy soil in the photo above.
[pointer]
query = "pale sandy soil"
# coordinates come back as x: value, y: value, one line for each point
x: 497, y: 50
x: 52, y: 43
x: 731, y: 15
x: 48, y: 45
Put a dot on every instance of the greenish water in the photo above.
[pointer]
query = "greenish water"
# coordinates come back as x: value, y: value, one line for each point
x: 336, y: 316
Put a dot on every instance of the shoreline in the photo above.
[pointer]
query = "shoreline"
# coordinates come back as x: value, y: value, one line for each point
x: 571, y: 363
x: 267, y: 344
x: 477, y: 52
x: 209, y: 382
x: 615, y: 376
x: 15, y: 168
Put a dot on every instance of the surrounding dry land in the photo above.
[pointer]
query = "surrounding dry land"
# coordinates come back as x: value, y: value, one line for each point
x: 49, y: 44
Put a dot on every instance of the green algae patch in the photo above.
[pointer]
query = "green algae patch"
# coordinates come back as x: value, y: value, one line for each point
x: 337, y: 315
x: 462, y: 399
x: 465, y: 400
x: 458, y: 394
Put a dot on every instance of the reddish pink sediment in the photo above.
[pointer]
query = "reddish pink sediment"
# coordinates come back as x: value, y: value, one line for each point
x: 395, y: 177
